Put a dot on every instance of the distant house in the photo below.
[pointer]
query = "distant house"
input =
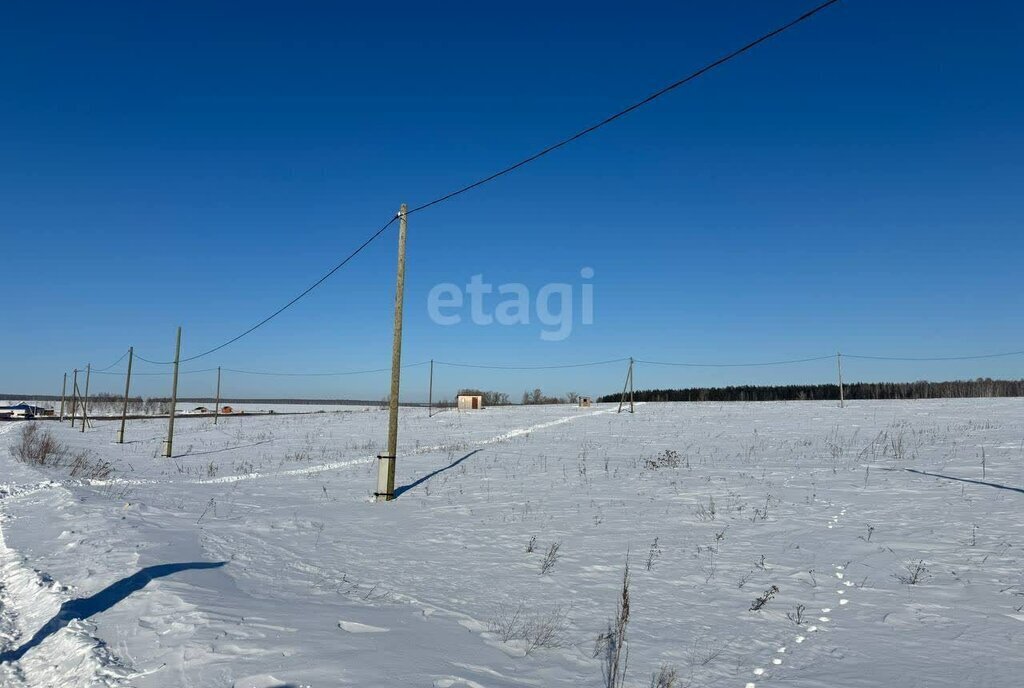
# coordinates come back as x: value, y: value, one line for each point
x: 24, y: 411
x: 467, y: 402
x: 226, y: 409
x: 585, y: 402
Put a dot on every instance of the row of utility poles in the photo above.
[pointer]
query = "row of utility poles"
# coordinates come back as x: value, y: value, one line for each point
x: 168, y: 446
x: 386, y: 462
x: 76, y: 394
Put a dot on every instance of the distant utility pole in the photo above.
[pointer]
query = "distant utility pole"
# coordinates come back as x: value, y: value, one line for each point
x: 839, y: 368
x: 63, y: 393
x: 628, y: 384
x: 85, y: 399
x: 216, y: 409
x: 386, y: 462
x: 430, y: 391
x: 74, y: 397
x: 127, y: 389
x: 169, y: 442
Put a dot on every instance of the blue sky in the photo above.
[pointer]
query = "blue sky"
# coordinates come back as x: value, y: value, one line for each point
x: 853, y: 185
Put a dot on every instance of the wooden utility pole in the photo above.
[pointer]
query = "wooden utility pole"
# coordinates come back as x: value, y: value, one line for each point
x: 839, y: 368
x: 631, y: 384
x: 386, y: 462
x: 430, y: 391
x: 628, y: 384
x: 74, y: 397
x: 63, y: 393
x: 127, y: 389
x: 169, y: 442
x: 85, y: 399
x: 216, y: 409
x: 78, y: 394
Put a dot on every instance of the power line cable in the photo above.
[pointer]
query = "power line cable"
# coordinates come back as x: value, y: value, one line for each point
x: 146, y: 360
x: 167, y: 372
x: 529, y: 368
x: 735, y: 365
x: 635, y: 106
x: 587, y: 364
x: 536, y: 156
x: 100, y: 370
x: 288, y: 305
x: 935, y: 358
x: 679, y: 363
x: 349, y: 372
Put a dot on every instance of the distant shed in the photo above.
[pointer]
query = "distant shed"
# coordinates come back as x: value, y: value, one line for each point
x: 585, y: 402
x: 469, y: 402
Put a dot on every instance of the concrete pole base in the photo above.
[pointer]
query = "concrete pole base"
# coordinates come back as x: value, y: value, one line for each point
x: 385, y: 479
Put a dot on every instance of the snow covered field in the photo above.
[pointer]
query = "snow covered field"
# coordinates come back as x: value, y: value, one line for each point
x: 255, y: 557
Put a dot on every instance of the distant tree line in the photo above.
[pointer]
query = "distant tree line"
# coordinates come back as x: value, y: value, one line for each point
x: 538, y: 397
x: 922, y: 389
x: 104, y: 404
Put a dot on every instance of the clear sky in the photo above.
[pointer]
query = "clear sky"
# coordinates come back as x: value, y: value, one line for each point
x: 853, y: 185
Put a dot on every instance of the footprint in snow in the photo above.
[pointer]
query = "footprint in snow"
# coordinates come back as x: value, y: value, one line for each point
x: 260, y: 681
x: 353, y: 627
x: 452, y: 681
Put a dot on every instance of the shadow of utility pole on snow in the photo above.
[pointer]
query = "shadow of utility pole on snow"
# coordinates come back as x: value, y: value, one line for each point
x: 399, y: 491
x: 84, y: 607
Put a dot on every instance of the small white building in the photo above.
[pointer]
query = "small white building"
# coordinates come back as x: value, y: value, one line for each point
x: 470, y: 402
x: 585, y: 402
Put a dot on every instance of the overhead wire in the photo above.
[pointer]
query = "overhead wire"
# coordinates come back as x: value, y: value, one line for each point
x: 164, y: 372
x: 288, y: 305
x: 734, y: 365
x: 587, y: 364
x: 935, y: 358
x: 635, y: 106
x: 530, y: 368
x: 100, y: 370
x: 525, y: 161
x: 348, y: 372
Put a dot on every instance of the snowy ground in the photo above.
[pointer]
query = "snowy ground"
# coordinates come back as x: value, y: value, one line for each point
x: 255, y: 558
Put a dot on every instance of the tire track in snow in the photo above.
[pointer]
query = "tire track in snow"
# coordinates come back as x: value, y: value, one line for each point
x: 334, y: 465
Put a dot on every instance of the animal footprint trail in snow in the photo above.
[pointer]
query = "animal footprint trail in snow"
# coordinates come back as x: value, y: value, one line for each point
x: 760, y: 672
